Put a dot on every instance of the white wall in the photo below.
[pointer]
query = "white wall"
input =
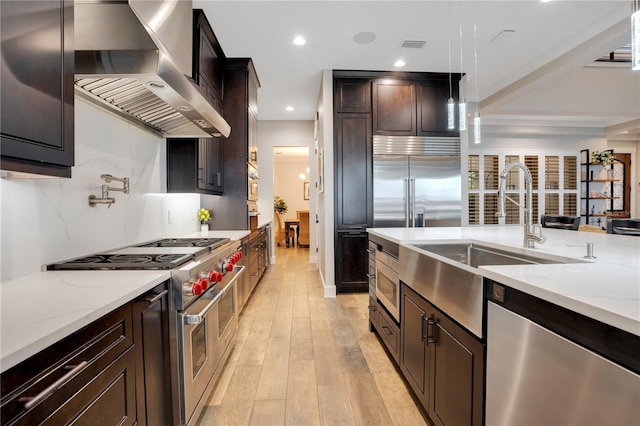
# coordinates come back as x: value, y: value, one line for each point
x: 325, y: 199
x: 284, y: 133
x: 48, y: 220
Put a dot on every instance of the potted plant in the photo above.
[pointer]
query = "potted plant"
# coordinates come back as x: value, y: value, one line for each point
x: 204, y: 216
x: 279, y: 205
x: 604, y: 157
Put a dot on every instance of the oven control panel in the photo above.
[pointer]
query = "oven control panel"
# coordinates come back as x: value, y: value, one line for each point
x: 208, y: 277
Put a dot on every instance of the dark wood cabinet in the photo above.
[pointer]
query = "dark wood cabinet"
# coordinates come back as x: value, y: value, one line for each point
x: 432, y: 100
x: 195, y: 165
x: 354, y: 171
x: 394, y: 107
x: 37, y: 122
x: 240, y: 109
x: 443, y: 363
x: 151, y: 337
x: 352, y: 95
x: 388, y: 331
x: 94, y: 372
x: 208, y: 60
x: 413, y: 108
x: 352, y: 263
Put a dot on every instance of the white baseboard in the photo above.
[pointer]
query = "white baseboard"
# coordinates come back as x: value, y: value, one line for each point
x: 313, y: 259
x: 272, y: 260
x: 329, y: 290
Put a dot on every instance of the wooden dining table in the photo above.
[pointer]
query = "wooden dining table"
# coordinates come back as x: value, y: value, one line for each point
x: 288, y: 224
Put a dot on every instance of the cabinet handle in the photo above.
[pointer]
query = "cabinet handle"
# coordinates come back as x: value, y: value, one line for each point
x: 218, y: 179
x: 431, y: 330
x: 152, y: 298
x: 371, y: 276
x: 385, y: 329
x: 29, y: 402
x: 422, y: 328
x: 372, y: 307
x: 371, y: 251
x: 200, y: 170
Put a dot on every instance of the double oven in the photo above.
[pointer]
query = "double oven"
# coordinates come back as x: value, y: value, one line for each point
x: 203, y: 314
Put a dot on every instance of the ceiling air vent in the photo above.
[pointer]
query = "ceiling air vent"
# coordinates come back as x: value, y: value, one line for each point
x: 413, y: 44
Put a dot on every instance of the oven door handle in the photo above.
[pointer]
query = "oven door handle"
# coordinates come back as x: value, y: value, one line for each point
x: 197, y: 318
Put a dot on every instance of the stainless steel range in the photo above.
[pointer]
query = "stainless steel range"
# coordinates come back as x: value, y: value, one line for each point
x: 203, y: 315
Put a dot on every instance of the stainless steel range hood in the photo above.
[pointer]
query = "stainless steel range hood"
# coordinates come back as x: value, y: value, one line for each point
x: 133, y: 58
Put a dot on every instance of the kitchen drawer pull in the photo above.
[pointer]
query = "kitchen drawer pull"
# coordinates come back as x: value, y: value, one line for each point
x: 155, y: 297
x: 387, y: 330
x: 30, y: 402
x: 422, y: 328
x: 370, y: 250
x: 371, y: 276
x: 431, y: 331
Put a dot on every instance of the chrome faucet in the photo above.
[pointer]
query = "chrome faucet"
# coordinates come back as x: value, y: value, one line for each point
x: 530, y: 236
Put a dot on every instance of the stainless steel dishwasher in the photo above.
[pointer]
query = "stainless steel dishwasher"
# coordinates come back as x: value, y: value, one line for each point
x: 536, y: 377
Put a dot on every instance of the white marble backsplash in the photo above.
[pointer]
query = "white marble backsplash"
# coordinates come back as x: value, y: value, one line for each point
x: 47, y: 220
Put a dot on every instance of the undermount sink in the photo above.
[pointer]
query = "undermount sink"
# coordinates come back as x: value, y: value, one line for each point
x: 476, y: 255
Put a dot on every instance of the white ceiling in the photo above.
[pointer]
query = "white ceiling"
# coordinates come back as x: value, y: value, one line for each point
x: 533, y: 76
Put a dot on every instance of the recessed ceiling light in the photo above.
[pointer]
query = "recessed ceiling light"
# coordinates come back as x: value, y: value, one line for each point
x: 399, y: 63
x: 299, y: 41
x: 289, y: 108
x: 545, y: 1
x: 364, y: 37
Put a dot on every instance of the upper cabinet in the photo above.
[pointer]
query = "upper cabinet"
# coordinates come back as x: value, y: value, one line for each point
x: 352, y: 95
x: 394, y: 108
x: 408, y: 107
x: 208, y: 60
x: 37, y: 87
x: 195, y: 165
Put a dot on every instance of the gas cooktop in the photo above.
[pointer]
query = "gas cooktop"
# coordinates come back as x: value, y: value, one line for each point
x: 167, y: 253
x: 212, y: 243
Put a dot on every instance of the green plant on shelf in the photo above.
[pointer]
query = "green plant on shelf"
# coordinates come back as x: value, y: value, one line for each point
x: 604, y: 157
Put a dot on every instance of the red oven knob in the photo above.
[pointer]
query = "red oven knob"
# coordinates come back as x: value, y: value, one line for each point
x: 229, y: 266
x: 199, y: 287
x: 215, y: 276
x: 239, y: 254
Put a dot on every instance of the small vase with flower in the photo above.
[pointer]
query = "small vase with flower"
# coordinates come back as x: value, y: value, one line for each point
x: 204, y: 216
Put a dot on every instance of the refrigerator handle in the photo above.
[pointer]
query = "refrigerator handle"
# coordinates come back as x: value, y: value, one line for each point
x: 413, y: 203
x: 407, y: 205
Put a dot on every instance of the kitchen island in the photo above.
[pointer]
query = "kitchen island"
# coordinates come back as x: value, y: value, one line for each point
x: 535, y: 343
x: 606, y: 288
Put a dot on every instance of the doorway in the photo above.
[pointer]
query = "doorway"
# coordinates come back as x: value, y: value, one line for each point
x: 291, y: 184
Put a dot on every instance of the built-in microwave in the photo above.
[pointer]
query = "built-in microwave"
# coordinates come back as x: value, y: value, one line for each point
x: 388, y: 283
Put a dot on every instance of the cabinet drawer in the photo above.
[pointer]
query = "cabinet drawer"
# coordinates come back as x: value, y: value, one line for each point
x: 97, y: 346
x: 388, y: 331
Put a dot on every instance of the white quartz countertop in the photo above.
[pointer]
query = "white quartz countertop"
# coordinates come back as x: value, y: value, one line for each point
x: 38, y: 310
x: 606, y: 288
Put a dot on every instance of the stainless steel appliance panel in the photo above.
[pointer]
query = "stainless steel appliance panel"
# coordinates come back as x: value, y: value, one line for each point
x: 436, y: 191
x: 532, y: 373
x: 416, y: 191
x: 390, y: 186
x: 388, y: 283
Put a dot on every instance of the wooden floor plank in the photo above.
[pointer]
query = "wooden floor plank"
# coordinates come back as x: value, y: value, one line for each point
x: 302, y: 394
x: 268, y: 412
x: 275, y: 368
x: 335, y: 406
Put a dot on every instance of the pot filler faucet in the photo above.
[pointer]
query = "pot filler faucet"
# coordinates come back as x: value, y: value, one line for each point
x: 530, y: 237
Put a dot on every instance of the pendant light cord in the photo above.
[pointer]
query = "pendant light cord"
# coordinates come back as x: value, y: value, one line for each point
x: 449, y: 31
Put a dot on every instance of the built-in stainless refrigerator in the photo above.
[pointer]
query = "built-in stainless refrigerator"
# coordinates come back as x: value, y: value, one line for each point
x: 416, y: 182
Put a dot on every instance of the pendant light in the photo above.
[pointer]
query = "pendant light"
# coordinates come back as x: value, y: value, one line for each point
x: 635, y: 36
x: 451, y: 112
x: 462, y: 105
x: 477, y: 138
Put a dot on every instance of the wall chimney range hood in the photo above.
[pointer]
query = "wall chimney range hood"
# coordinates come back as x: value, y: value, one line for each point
x: 134, y: 58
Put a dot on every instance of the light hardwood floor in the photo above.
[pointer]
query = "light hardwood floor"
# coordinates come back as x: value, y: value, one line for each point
x: 301, y: 359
